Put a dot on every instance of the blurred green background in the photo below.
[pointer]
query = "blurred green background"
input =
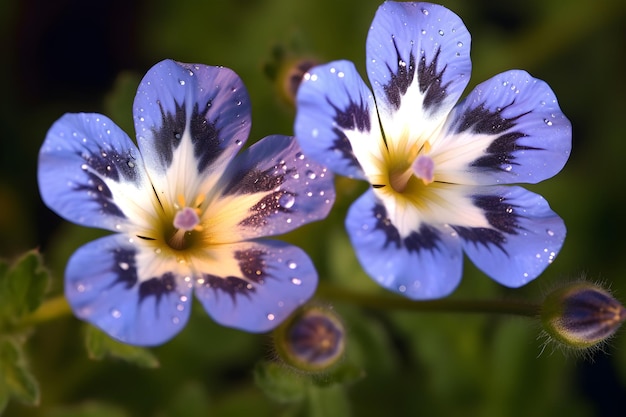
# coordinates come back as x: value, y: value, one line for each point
x: 79, y: 55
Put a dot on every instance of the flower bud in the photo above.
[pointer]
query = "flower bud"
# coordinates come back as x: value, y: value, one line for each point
x: 312, y: 340
x: 581, y: 315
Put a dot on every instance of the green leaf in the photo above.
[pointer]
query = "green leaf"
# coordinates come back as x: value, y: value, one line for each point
x: 90, y: 409
x: 15, y: 379
x: 280, y: 383
x: 22, y: 287
x: 99, y: 346
x: 328, y: 402
x: 344, y: 373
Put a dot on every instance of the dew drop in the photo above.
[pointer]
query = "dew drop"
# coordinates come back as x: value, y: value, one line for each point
x: 131, y: 164
x: 286, y: 200
x: 459, y: 44
x: 423, y: 32
x: 238, y: 142
x: 441, y: 33
x: 425, y: 12
x: 508, y: 168
x: 124, y: 266
x: 547, y: 122
x: 292, y: 265
x: 180, y: 307
x: 157, y: 250
x: 509, y: 209
x: 300, y: 156
x: 271, y: 317
x: 550, y: 232
x: 80, y: 287
x: 402, y: 288
x: 83, y: 166
x: 182, y: 82
x: 175, y: 320
x: 116, y: 314
x: 296, y: 281
x: 311, y: 175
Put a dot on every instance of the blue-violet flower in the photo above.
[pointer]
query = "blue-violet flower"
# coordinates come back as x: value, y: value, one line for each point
x: 437, y: 167
x: 186, y: 210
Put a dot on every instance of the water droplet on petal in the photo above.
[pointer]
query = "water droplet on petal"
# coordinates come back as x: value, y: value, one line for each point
x: 311, y: 175
x: 292, y: 265
x: 402, y: 288
x: 116, y: 314
x: 270, y: 317
x: 124, y: 266
x: 441, y: 32
x: 287, y: 200
x: 550, y: 232
x: 296, y: 281
x: 547, y: 122
x: 182, y: 82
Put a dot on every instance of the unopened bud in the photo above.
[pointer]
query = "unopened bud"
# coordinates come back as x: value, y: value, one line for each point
x: 581, y: 315
x: 312, y: 340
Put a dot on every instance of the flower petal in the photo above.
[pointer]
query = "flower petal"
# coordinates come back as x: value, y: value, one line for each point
x: 106, y: 285
x: 254, y: 286
x: 419, y: 64
x: 189, y: 116
x: 425, y: 264
x: 270, y: 188
x: 508, y: 129
x: 523, y: 237
x: 336, y: 122
x: 91, y: 173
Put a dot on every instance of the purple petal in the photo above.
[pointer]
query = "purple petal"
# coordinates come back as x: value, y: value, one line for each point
x: 424, y: 264
x: 522, y: 238
x: 91, y: 173
x: 509, y: 129
x: 118, y: 286
x: 190, y: 117
x: 279, y: 187
x: 254, y: 286
x: 336, y: 123
x: 418, y: 63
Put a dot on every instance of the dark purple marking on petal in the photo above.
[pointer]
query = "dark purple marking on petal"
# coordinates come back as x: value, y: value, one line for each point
x: 430, y: 81
x: 501, y: 216
x: 101, y: 194
x: 124, y: 267
x: 426, y: 238
x: 400, y: 81
x: 253, y: 268
x: 500, y: 152
x: 109, y: 163
x: 355, y: 116
x: 255, y: 181
x: 157, y: 287
x: 204, y: 135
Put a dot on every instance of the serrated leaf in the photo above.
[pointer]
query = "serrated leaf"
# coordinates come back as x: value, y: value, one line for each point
x: 16, y: 379
x: 280, y: 383
x: 22, y: 286
x: 99, y: 346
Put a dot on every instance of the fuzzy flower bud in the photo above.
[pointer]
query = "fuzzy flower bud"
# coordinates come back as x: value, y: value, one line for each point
x: 581, y: 315
x: 312, y: 340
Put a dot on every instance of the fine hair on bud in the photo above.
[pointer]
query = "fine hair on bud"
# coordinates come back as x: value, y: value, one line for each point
x: 581, y: 315
x: 312, y: 340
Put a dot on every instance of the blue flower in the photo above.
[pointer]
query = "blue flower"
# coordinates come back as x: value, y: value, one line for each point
x: 187, y: 211
x: 438, y: 169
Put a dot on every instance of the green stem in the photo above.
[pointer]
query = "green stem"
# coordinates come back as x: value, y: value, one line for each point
x: 446, y: 305
x: 51, y: 309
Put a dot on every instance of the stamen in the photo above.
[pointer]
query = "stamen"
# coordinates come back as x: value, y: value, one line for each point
x: 186, y: 219
x: 424, y: 168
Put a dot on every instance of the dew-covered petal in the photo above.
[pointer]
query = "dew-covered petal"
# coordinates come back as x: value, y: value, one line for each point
x: 254, y: 286
x: 336, y: 122
x: 270, y: 188
x: 509, y: 129
x: 425, y: 263
x: 190, y: 119
x: 419, y: 64
x: 124, y: 289
x: 522, y: 238
x: 91, y: 173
